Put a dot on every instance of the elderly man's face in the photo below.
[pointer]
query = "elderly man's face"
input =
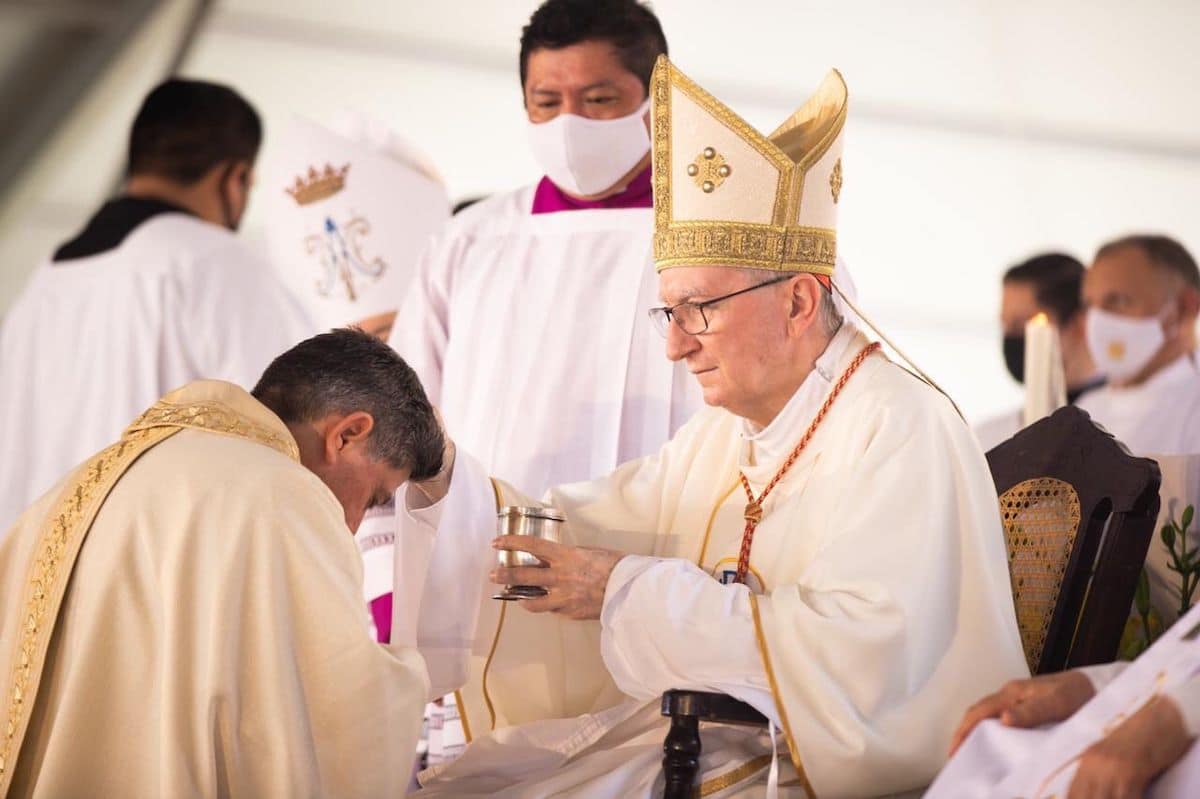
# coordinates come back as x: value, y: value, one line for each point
x: 737, y: 360
x: 585, y: 79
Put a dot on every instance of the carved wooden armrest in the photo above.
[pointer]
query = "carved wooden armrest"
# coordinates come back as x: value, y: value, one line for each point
x: 681, y: 749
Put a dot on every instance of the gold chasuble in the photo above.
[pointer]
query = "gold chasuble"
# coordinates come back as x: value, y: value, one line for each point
x: 181, y: 617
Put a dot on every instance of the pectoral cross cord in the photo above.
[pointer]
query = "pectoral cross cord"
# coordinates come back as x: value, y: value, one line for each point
x: 754, y: 506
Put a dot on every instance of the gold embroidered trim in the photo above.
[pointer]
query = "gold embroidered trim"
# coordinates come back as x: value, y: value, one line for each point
x: 733, y: 776
x: 213, y: 417
x: 56, y: 550
x: 462, y: 715
x: 487, y: 664
x: 660, y: 133
x: 1041, y: 519
x: 835, y: 181
x: 779, y: 704
x: 791, y: 249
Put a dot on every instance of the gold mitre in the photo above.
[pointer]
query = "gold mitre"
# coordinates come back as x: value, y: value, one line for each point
x: 725, y: 195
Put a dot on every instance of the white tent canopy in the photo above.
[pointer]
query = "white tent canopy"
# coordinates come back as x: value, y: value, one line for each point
x: 979, y: 133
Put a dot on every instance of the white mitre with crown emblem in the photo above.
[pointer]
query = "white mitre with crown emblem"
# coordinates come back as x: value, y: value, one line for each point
x: 347, y: 215
x: 726, y: 195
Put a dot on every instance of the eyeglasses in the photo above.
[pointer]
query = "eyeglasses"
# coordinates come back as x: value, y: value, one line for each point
x: 691, y: 316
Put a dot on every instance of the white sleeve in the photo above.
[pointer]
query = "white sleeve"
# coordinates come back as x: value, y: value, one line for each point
x: 443, y: 558
x: 667, y: 624
x: 1186, y: 696
x: 1102, y: 674
x: 421, y: 331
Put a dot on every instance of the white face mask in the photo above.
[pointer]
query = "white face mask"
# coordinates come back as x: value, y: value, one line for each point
x: 1122, y: 346
x: 587, y: 156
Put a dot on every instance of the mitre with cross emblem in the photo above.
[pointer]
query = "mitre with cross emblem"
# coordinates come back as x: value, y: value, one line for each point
x: 726, y: 195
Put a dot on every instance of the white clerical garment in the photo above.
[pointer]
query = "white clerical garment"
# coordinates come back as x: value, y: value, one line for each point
x: 877, y: 608
x: 212, y: 639
x: 91, y: 342
x: 1159, y: 417
x: 998, y: 762
x: 529, y: 332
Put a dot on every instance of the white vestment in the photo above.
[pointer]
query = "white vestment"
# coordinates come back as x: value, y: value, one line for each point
x: 876, y: 610
x: 998, y: 762
x: 529, y: 332
x: 1159, y: 417
x: 212, y: 639
x: 350, y: 253
x: 91, y: 342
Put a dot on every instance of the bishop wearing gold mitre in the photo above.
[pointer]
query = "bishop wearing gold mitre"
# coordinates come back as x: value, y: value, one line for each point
x: 821, y: 542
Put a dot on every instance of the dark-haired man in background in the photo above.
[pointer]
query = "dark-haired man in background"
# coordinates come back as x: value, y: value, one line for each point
x: 182, y: 614
x: 1048, y: 284
x: 154, y: 292
x: 527, y: 319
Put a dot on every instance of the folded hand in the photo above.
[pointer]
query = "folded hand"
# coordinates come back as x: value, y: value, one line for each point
x: 1028, y: 703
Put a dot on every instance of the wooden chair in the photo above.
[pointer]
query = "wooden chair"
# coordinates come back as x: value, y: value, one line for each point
x: 1078, y: 513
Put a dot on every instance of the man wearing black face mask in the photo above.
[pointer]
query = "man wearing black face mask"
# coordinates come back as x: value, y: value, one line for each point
x: 154, y: 292
x: 1048, y: 284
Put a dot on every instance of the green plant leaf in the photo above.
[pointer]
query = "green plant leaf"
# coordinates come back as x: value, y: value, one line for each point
x: 1188, y: 513
x: 1141, y: 597
x: 1168, y: 536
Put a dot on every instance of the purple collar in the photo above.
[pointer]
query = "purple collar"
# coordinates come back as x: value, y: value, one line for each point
x: 549, y: 199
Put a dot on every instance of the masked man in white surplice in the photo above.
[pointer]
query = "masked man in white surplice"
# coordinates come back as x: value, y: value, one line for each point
x: 181, y: 616
x: 526, y: 321
x: 823, y: 543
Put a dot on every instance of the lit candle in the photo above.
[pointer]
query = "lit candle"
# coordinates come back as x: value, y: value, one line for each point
x: 1045, y: 382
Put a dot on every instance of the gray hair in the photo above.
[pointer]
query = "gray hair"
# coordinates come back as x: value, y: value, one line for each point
x: 347, y: 370
x: 828, y: 315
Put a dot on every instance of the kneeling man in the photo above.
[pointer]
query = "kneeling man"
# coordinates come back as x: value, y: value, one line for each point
x: 182, y: 615
x: 823, y: 542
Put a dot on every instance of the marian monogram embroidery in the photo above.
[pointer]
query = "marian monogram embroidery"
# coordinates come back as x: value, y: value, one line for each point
x: 338, y: 247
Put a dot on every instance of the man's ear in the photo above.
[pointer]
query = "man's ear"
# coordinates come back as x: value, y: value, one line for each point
x: 347, y: 432
x: 1076, y: 326
x: 805, y: 297
x: 1189, y: 302
x: 240, y: 179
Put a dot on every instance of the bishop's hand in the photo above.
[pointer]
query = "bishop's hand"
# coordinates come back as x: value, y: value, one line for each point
x: 574, y: 577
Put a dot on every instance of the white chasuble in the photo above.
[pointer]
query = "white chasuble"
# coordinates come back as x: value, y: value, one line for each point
x: 877, y: 608
x: 209, y: 637
x: 998, y: 762
x: 92, y: 342
x: 529, y: 332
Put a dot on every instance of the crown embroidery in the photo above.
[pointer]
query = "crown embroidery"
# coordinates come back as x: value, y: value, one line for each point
x: 835, y: 181
x: 318, y: 185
